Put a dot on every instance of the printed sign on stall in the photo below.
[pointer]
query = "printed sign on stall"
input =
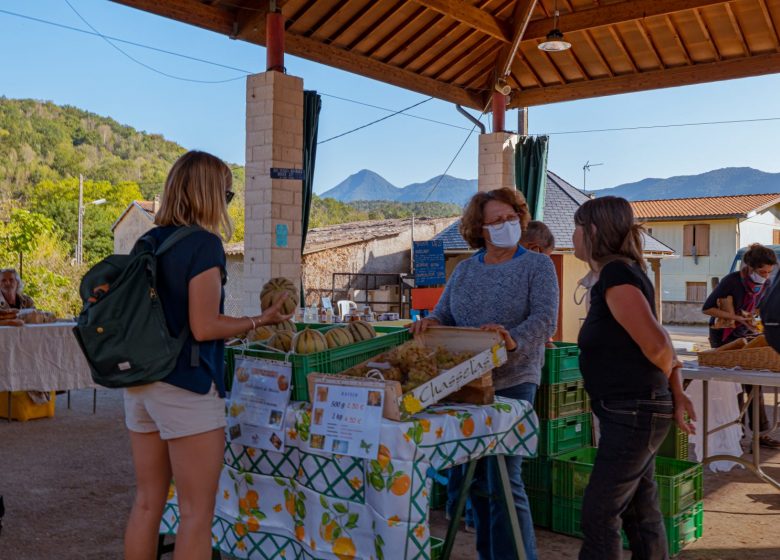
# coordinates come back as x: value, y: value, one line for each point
x: 258, y: 403
x: 346, y: 420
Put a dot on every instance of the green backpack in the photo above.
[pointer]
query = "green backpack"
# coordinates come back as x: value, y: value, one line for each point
x: 122, y: 329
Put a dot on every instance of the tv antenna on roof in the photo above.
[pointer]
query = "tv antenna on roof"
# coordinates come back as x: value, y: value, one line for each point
x: 585, y: 169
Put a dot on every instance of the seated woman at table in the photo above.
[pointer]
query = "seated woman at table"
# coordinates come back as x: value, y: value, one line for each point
x: 746, y: 288
x: 177, y: 425
x: 633, y: 379
x: 514, y: 292
x: 11, y: 296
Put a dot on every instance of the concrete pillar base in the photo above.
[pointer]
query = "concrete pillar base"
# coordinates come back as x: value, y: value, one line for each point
x: 497, y: 160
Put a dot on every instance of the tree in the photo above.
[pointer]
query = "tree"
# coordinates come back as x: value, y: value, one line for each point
x: 23, y: 231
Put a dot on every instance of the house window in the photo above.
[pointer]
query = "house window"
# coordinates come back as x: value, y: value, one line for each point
x: 776, y: 237
x: 696, y: 291
x: 696, y: 240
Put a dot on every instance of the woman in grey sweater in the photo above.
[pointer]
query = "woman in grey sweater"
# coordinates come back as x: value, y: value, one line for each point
x: 514, y: 292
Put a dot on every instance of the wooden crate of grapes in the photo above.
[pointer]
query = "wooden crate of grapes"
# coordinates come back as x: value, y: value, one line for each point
x: 434, y: 366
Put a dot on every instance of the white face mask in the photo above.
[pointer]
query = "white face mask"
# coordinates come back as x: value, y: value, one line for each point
x: 757, y: 278
x: 506, y: 235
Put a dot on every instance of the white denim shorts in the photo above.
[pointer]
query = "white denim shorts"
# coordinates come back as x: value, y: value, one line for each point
x: 172, y: 411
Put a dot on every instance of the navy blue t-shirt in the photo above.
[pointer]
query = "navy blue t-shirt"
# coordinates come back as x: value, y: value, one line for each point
x: 196, y: 253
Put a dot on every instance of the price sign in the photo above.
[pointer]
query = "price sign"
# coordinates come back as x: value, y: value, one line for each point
x: 258, y: 403
x: 429, y: 269
x: 346, y: 420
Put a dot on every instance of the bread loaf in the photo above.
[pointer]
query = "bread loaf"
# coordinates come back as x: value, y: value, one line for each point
x: 738, y: 344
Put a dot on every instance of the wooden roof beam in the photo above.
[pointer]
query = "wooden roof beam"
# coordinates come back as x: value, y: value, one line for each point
x: 330, y: 55
x: 524, y: 9
x: 770, y: 22
x: 471, y: 16
x: 611, y: 14
x: 757, y: 65
x: 193, y: 12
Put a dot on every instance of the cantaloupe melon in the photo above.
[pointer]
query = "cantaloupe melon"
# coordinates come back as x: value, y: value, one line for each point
x: 309, y: 341
x: 338, y: 336
x: 360, y: 330
x: 273, y: 289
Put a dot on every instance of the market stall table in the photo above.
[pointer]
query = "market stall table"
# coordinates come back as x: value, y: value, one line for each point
x: 757, y: 379
x: 42, y: 358
x: 304, y: 504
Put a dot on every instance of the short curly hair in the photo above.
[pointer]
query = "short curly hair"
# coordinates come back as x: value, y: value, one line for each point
x: 474, y: 215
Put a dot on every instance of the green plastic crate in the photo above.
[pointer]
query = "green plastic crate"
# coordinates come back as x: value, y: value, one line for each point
x: 679, y: 484
x: 541, y: 506
x: 675, y: 445
x: 561, y: 363
x: 564, y: 434
x: 684, y: 528
x: 567, y: 518
x: 334, y: 360
x: 561, y: 400
x: 537, y: 473
x: 571, y: 473
x: 437, y: 547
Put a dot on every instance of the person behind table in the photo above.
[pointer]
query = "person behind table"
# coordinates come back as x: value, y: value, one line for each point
x: 537, y: 237
x: 177, y: 425
x: 747, y: 287
x: 633, y: 379
x: 508, y: 290
x: 11, y: 295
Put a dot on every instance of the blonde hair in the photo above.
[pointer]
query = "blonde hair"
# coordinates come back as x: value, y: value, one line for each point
x: 194, y: 194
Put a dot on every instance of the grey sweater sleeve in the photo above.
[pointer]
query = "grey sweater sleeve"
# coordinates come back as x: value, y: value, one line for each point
x: 541, y: 322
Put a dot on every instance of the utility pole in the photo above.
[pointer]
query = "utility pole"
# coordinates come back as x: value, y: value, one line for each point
x: 522, y: 121
x: 585, y: 169
x: 79, y: 240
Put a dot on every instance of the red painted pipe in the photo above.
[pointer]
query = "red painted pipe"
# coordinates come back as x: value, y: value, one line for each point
x: 499, y: 111
x: 274, y: 49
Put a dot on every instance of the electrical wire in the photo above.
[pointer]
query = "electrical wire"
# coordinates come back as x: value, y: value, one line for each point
x: 111, y: 39
x: 361, y: 127
x: 455, y: 157
x: 148, y: 67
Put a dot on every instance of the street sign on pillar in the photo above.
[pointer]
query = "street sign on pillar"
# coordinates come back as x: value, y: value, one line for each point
x: 429, y: 269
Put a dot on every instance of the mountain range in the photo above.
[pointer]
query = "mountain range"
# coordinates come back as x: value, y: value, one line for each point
x: 368, y: 185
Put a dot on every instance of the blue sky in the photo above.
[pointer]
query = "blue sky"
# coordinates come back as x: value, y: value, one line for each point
x: 43, y: 62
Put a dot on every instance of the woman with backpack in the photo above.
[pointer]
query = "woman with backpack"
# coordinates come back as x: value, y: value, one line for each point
x: 177, y: 425
x: 633, y: 379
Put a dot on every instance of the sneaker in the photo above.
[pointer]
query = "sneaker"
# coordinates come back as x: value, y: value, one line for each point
x: 470, y: 528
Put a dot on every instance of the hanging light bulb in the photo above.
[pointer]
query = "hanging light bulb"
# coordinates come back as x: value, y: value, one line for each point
x: 554, y: 41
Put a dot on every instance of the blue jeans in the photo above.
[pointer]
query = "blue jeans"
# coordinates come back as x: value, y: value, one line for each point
x: 622, y: 491
x: 454, y: 483
x: 494, y: 533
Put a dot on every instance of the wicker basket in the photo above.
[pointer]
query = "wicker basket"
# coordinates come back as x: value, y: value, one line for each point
x: 748, y: 358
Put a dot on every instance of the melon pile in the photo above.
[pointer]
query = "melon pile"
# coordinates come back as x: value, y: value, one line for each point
x: 276, y: 287
x: 266, y: 332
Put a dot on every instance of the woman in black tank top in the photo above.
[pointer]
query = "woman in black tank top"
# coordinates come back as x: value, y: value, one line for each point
x: 633, y: 379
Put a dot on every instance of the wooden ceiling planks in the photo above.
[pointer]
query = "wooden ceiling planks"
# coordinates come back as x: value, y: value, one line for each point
x: 455, y: 49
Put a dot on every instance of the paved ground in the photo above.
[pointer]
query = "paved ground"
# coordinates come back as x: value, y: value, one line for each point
x: 68, y: 484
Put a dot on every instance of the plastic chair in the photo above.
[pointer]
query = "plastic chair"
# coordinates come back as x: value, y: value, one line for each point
x: 346, y: 307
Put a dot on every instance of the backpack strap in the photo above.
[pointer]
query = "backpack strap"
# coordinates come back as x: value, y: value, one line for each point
x: 174, y: 238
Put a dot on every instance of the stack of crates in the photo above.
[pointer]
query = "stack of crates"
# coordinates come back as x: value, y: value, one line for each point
x: 563, y: 409
x: 680, y: 495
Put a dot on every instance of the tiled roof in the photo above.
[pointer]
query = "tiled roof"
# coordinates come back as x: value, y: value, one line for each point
x: 146, y: 205
x: 561, y: 201
x: 710, y: 207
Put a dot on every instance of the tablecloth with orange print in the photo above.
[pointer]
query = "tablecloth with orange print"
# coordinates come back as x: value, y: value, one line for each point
x: 298, y: 504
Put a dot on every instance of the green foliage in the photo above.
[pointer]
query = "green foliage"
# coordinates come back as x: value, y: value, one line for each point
x: 42, y: 141
x: 385, y: 210
x: 23, y: 230
x: 328, y: 211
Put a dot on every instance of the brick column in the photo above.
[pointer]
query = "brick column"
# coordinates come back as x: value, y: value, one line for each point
x: 497, y: 160
x: 273, y: 221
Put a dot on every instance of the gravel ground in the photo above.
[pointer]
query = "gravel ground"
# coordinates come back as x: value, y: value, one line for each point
x: 68, y: 486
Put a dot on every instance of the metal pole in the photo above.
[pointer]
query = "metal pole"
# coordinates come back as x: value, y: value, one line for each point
x: 80, y: 240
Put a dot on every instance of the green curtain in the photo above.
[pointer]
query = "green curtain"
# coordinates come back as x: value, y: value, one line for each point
x: 312, y: 103
x: 531, y: 172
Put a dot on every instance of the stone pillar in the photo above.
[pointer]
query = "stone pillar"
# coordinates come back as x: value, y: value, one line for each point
x: 273, y: 221
x: 655, y: 266
x: 497, y: 160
